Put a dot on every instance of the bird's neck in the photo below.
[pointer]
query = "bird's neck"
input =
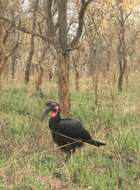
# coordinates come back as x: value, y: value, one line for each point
x: 54, y: 121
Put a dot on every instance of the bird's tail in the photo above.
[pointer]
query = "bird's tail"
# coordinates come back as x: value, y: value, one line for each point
x: 95, y: 143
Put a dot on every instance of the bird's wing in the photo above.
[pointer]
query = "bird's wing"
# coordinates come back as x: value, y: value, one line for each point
x: 74, y: 129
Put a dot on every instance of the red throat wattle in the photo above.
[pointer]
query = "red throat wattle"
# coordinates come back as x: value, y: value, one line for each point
x: 54, y: 113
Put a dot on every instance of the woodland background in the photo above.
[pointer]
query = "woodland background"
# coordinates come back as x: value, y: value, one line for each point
x: 85, y: 55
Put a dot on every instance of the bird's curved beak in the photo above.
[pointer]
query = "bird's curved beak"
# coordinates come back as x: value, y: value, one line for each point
x: 45, y: 113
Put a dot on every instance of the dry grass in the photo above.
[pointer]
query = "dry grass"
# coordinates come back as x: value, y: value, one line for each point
x: 29, y: 159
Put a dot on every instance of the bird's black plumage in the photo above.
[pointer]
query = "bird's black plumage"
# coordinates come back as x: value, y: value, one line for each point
x: 68, y: 134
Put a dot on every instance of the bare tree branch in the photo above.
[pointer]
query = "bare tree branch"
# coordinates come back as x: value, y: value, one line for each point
x: 22, y: 28
x: 83, y: 8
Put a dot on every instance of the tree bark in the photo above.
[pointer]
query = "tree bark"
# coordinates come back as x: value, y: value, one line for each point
x: 29, y: 60
x: 63, y: 59
x: 13, y: 57
x: 39, y: 80
x: 75, y: 59
x: 14, y: 63
x: 122, y: 61
x: 63, y: 83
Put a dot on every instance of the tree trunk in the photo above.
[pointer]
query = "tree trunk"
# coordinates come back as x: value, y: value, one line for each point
x: 39, y: 82
x: 1, y: 46
x: 58, y: 37
x: 123, y: 66
x: 63, y: 59
x: 28, y: 65
x: 29, y: 60
x: 77, y: 81
x: 14, y: 63
x: 15, y: 37
x: 75, y: 59
x: 63, y: 83
x: 121, y: 48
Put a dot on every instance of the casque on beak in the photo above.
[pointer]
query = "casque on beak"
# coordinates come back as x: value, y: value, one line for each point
x: 45, y: 113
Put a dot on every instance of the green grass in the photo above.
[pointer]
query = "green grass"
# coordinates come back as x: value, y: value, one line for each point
x: 29, y: 160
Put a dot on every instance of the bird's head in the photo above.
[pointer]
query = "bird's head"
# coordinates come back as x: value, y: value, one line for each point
x: 51, y: 107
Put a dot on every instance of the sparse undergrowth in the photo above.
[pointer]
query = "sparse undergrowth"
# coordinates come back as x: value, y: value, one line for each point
x: 29, y: 159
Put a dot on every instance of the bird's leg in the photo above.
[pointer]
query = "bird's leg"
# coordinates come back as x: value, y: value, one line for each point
x: 69, y: 153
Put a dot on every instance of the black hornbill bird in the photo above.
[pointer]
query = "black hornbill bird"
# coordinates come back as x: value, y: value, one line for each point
x: 68, y: 134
